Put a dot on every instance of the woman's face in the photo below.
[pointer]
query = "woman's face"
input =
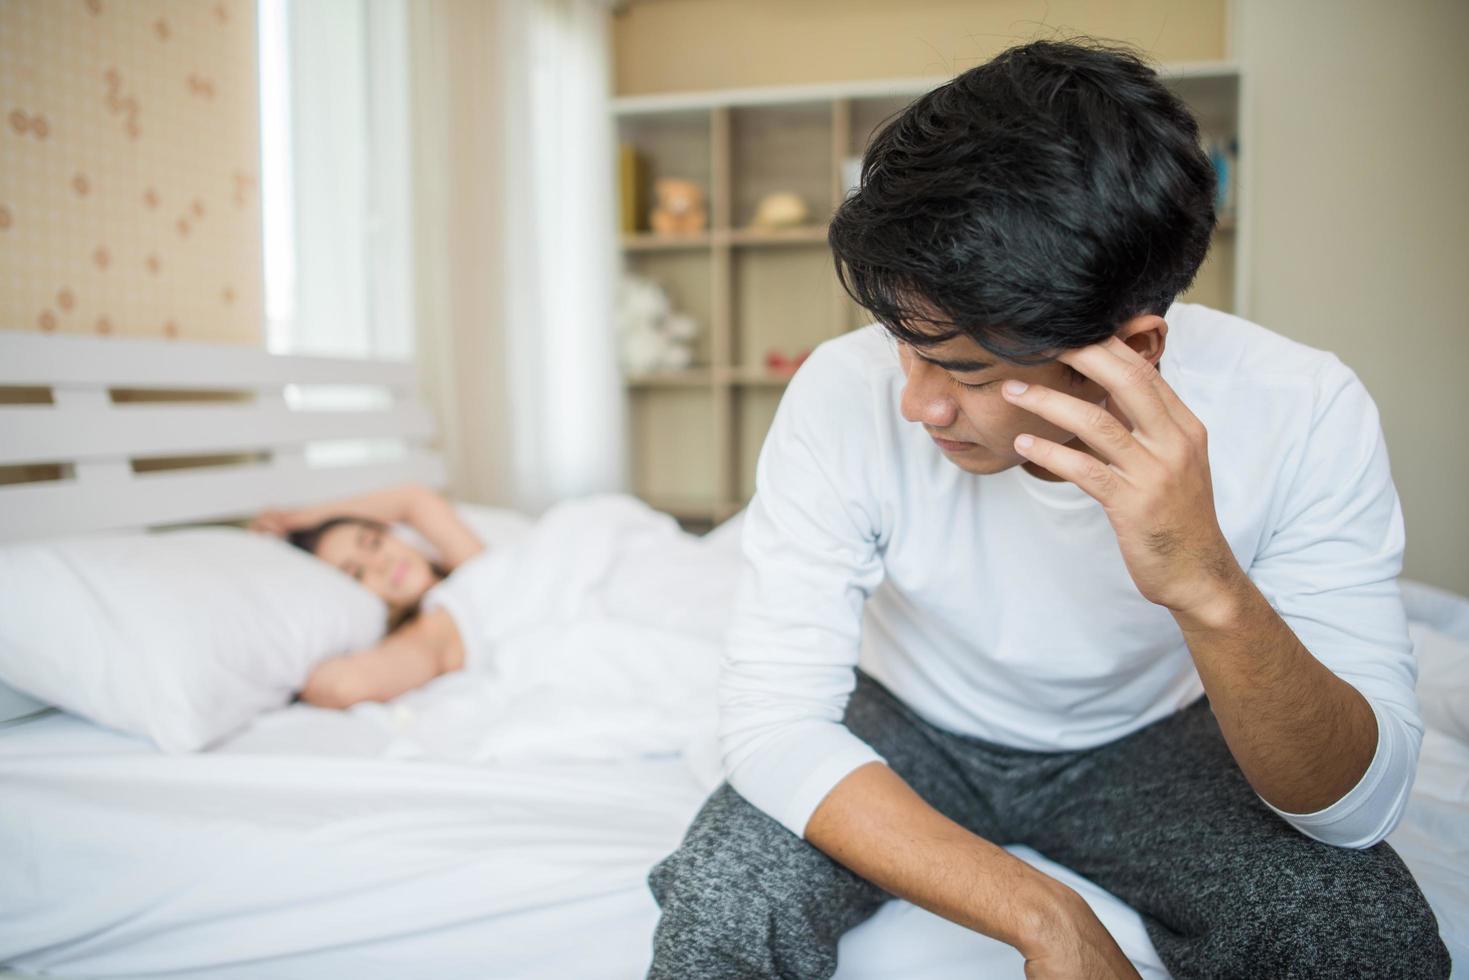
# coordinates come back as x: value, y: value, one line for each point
x: 389, y: 566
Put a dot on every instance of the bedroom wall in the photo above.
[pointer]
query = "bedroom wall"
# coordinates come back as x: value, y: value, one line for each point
x: 688, y: 45
x: 129, y: 160
x: 1360, y: 239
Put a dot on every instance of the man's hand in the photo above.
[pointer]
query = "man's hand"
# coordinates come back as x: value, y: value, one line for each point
x: 1073, y: 943
x: 1152, y: 480
x: 876, y: 825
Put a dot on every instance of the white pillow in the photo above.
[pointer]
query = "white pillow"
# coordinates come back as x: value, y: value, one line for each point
x: 15, y: 706
x: 1438, y: 621
x: 1444, y: 611
x: 182, y: 636
x: 1443, y: 680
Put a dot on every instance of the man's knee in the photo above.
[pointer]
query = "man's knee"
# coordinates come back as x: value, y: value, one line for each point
x: 730, y: 842
x: 743, y: 896
x: 734, y: 850
x: 1352, y: 914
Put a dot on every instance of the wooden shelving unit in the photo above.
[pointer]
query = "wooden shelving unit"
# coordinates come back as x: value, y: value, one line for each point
x: 696, y: 433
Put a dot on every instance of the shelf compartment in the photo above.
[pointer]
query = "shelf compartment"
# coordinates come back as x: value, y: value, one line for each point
x: 755, y: 377
x: 647, y: 241
x: 1213, y: 100
x: 675, y: 144
x: 691, y: 378
x: 686, y: 510
x: 802, y: 235
x: 870, y: 115
x: 673, y: 449
x: 754, y: 410
x: 780, y: 148
x: 686, y: 277
x: 726, y: 509
x: 782, y: 300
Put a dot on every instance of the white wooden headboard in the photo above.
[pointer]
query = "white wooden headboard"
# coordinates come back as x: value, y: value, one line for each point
x: 96, y: 440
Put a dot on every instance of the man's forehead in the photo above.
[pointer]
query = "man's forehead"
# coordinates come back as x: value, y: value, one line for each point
x: 959, y: 353
x: 923, y: 319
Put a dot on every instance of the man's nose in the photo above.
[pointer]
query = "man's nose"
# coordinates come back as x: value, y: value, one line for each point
x: 926, y: 397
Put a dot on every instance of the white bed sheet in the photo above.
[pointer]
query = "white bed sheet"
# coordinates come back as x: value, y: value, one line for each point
x: 270, y: 862
x: 346, y: 859
x: 267, y: 858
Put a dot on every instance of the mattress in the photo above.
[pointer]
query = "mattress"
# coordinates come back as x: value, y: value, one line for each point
x: 364, y: 856
x: 444, y: 835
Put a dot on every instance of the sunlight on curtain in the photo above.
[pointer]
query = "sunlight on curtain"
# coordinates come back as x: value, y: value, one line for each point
x: 336, y: 195
x: 275, y: 169
x: 440, y: 183
x: 567, y: 429
x: 336, y: 183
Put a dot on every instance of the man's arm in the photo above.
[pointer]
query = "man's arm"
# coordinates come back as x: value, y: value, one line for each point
x: 875, y: 824
x: 1294, y: 709
x: 1302, y: 736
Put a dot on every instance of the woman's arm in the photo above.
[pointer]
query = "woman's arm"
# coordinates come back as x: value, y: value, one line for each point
x: 410, y: 657
x: 414, y: 504
x: 390, y: 506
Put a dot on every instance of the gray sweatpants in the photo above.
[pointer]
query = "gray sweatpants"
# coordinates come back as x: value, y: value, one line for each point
x: 1162, y: 818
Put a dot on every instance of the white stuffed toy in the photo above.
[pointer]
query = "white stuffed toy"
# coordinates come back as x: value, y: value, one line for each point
x: 653, y: 337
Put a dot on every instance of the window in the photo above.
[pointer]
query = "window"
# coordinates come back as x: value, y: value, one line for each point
x: 336, y: 177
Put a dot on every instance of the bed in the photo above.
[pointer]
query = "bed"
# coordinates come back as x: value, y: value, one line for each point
x: 437, y: 835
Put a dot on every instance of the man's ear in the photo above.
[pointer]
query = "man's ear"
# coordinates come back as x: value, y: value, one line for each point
x: 1147, y: 334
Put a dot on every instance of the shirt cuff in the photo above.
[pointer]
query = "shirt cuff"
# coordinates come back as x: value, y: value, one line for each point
x: 789, y: 776
x: 1369, y: 810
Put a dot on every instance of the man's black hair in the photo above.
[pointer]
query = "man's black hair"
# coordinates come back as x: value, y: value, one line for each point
x: 1033, y: 203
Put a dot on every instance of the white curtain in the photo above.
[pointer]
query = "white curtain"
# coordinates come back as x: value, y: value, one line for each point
x: 559, y: 219
x: 516, y: 245
x: 337, y: 186
x: 439, y: 183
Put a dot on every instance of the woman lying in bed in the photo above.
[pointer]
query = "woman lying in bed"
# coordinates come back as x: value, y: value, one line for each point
x: 355, y: 536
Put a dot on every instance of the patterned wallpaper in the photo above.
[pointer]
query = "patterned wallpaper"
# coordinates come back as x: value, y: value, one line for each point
x: 129, y: 168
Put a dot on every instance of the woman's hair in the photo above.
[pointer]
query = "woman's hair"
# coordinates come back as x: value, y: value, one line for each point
x: 1033, y: 203
x: 309, y: 539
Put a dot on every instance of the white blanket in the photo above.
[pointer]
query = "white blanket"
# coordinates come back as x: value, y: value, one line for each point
x: 594, y: 635
x: 121, y: 861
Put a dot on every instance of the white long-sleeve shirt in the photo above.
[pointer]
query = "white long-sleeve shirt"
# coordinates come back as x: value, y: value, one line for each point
x: 999, y: 606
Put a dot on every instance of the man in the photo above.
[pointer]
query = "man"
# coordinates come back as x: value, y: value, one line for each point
x: 1119, y: 573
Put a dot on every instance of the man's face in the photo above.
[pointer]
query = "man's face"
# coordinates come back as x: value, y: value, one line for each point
x: 953, y: 391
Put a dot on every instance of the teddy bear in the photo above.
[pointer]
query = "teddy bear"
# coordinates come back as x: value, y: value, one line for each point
x: 680, y: 209
x: 653, y: 336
